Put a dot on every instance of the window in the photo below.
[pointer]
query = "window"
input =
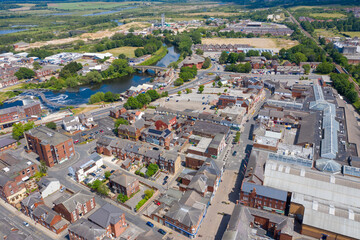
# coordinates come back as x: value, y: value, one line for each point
x: 28, y: 170
x: 23, y: 172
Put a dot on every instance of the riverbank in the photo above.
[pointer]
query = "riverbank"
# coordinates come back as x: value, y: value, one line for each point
x: 157, y: 56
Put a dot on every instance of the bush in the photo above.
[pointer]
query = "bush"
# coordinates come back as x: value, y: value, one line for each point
x: 51, y: 125
x: 140, y: 204
x: 107, y: 174
x: 122, y: 198
x: 178, y: 82
x: 149, y: 193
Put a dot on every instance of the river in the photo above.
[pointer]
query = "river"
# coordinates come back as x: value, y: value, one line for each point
x: 81, y: 94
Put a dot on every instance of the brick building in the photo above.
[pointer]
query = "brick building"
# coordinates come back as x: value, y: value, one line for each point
x: 133, y: 131
x: 194, y: 60
x: 48, y: 218
x: 75, y: 206
x: 7, y: 143
x: 13, y: 177
x: 110, y: 218
x: 125, y: 184
x: 17, y: 113
x: 86, y: 230
x: 116, y: 112
x: 262, y: 197
x: 51, y: 146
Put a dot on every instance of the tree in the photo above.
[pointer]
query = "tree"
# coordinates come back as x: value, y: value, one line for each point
x: 325, y: 68
x: 306, y: 68
x: 178, y: 82
x: 188, y: 90
x: 179, y: 93
x: 120, y: 121
x: 165, y: 94
x: 220, y: 84
x: 199, y: 51
x: 232, y: 58
x: 19, y: 129
x: 213, y: 84
x: 299, y: 57
x: 42, y: 167
x: 267, y: 55
x: 207, y: 63
x: 143, y: 99
x: 148, y: 193
x: 51, y: 125
x: 132, y: 103
x: 37, y: 66
x: 122, y: 56
x: 153, y: 94
x: 237, y: 137
x: 103, y: 189
x: 139, y: 52
x: 107, y: 174
x: 24, y: 73
x: 223, y: 57
x: 201, y: 88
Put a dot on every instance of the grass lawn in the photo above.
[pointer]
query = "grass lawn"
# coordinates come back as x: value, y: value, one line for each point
x: 327, y: 15
x: 327, y: 33
x: 79, y: 110
x: 87, y: 5
x: 352, y: 34
x: 128, y: 51
x: 157, y: 56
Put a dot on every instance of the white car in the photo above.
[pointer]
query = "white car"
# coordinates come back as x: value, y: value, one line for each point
x: 26, y: 224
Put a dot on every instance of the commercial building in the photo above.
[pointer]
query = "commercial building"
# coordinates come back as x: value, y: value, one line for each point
x: 328, y: 204
x: 75, y: 206
x: 51, y: 146
x: 7, y: 143
x: 262, y: 197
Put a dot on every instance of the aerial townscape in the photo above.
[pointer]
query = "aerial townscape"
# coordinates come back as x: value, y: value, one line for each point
x: 175, y: 120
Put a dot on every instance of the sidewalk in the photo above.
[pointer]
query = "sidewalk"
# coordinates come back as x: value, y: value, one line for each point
x: 25, y: 218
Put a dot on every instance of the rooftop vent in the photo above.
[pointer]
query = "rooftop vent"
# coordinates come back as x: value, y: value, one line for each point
x: 280, y: 169
x: 332, y: 210
x: 49, y: 134
x: 287, y: 169
x: 6, y: 169
x: 332, y: 179
x: 351, y: 214
x: 302, y: 173
x: 315, y: 205
x: 28, y: 163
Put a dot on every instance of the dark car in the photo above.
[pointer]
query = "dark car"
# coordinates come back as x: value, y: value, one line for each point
x: 96, y: 132
x: 93, y: 174
x: 161, y: 231
x: 164, y: 183
x: 150, y: 224
x: 166, y: 178
x: 101, y: 131
x: 83, y: 134
x: 112, y: 171
x: 103, y: 166
x: 234, y: 153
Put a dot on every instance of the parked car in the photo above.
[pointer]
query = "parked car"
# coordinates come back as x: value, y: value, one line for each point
x: 103, y: 166
x: 177, y: 100
x: 101, y: 130
x: 26, y: 224
x: 83, y: 134
x: 62, y: 189
x: 112, y: 171
x: 161, y: 231
x: 166, y: 178
x: 76, y: 141
x: 96, y: 132
x: 164, y: 183
x: 234, y: 153
x: 93, y: 174
x: 150, y: 224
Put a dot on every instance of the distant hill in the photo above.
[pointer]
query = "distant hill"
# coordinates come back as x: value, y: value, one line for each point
x: 291, y: 3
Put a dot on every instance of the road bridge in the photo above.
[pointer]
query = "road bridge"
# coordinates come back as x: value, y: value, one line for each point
x: 156, y: 69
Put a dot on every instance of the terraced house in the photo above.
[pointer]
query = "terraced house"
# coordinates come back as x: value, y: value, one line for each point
x: 14, y: 175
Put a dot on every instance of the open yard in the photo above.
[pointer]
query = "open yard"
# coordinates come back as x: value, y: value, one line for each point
x: 327, y: 33
x: 327, y: 15
x: 87, y: 5
x: 276, y: 43
x: 128, y: 51
x: 352, y: 34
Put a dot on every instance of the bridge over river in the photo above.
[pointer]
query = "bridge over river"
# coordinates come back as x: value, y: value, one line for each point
x: 156, y: 69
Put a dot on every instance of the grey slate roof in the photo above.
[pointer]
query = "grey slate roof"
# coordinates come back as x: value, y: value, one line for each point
x: 32, y: 199
x: 45, y: 212
x: 87, y: 230
x: 106, y: 215
x: 187, y: 215
x: 264, y: 191
x: 6, y: 141
x: 71, y: 202
x: 44, y: 182
x: 122, y: 179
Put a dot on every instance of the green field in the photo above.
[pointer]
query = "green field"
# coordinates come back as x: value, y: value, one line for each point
x: 327, y: 33
x: 87, y: 5
x: 128, y: 51
x: 327, y: 15
x: 352, y: 34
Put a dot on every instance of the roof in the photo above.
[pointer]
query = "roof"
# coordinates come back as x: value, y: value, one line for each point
x: 45, y: 212
x: 44, y: 182
x: 328, y: 165
x: 70, y: 202
x: 32, y: 199
x: 264, y: 191
x: 122, y: 179
x: 87, y: 230
x: 48, y: 136
x: 6, y: 142
x: 106, y: 215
